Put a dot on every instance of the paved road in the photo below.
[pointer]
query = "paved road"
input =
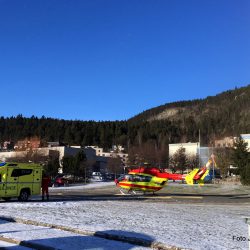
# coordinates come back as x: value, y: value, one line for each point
x: 179, y: 194
x: 173, y: 193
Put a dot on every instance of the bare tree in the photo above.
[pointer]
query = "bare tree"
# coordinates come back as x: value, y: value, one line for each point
x: 223, y: 159
x: 148, y: 152
x: 30, y: 156
x: 115, y: 166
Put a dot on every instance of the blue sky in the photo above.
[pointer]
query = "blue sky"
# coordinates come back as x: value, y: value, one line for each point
x: 112, y: 59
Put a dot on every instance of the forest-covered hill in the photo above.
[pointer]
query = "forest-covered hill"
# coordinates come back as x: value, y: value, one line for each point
x: 225, y: 114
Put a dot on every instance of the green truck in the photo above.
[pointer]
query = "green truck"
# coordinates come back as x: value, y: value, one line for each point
x: 20, y: 180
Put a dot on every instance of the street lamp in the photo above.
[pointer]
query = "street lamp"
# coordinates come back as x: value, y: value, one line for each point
x: 212, y: 157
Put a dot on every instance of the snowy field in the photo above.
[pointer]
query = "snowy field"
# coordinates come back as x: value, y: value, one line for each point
x: 183, y: 225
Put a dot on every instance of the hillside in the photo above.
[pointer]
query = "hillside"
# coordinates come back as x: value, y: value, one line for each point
x: 227, y: 113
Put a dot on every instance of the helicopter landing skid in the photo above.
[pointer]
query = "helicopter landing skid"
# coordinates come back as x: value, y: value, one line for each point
x: 134, y: 192
x: 123, y: 192
x: 131, y: 192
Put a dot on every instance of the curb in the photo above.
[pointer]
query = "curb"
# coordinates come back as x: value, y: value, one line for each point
x: 132, y: 240
x: 26, y: 244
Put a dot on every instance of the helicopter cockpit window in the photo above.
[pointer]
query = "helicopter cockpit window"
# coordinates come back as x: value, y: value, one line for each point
x: 139, y: 178
x: 146, y: 178
x: 121, y: 178
x: 136, y: 178
x: 124, y: 177
x: 130, y: 177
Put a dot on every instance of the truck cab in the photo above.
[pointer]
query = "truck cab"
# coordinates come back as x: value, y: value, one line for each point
x: 19, y: 180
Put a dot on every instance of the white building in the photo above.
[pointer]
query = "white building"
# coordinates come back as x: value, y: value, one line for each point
x: 228, y: 142
x: 112, y: 154
x: 191, y: 148
x: 246, y: 138
x: 118, y: 148
x: 94, y: 154
x: 46, y: 152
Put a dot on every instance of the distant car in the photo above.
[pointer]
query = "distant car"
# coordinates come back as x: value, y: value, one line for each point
x: 108, y: 177
x: 96, y: 176
x: 62, y: 180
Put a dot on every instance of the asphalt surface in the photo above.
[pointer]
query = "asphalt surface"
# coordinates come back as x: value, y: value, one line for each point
x: 170, y: 194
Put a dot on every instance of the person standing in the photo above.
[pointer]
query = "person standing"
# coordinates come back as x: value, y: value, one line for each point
x: 45, y: 186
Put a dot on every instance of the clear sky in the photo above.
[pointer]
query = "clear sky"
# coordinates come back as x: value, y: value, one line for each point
x: 112, y: 59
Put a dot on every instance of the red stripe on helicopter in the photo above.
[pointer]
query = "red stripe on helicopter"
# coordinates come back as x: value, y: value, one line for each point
x: 139, y: 186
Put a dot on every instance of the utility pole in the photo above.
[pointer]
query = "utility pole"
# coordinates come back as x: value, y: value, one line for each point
x: 85, y: 175
x: 212, y: 157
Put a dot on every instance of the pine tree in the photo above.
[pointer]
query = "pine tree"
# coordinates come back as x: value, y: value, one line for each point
x: 80, y: 164
x: 241, y: 160
x: 179, y: 160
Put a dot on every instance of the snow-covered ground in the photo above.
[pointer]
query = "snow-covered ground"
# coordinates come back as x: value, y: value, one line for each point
x: 193, y: 226
x: 185, y: 225
x: 58, y: 239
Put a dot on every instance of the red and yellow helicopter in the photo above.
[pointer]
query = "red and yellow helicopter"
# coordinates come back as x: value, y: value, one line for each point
x: 148, y: 179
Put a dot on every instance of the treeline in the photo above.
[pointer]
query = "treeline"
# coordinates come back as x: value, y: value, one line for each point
x: 103, y: 134
x: 223, y: 115
x: 83, y: 133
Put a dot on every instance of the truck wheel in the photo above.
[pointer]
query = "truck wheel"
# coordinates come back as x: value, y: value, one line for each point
x: 6, y: 198
x: 24, y: 195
